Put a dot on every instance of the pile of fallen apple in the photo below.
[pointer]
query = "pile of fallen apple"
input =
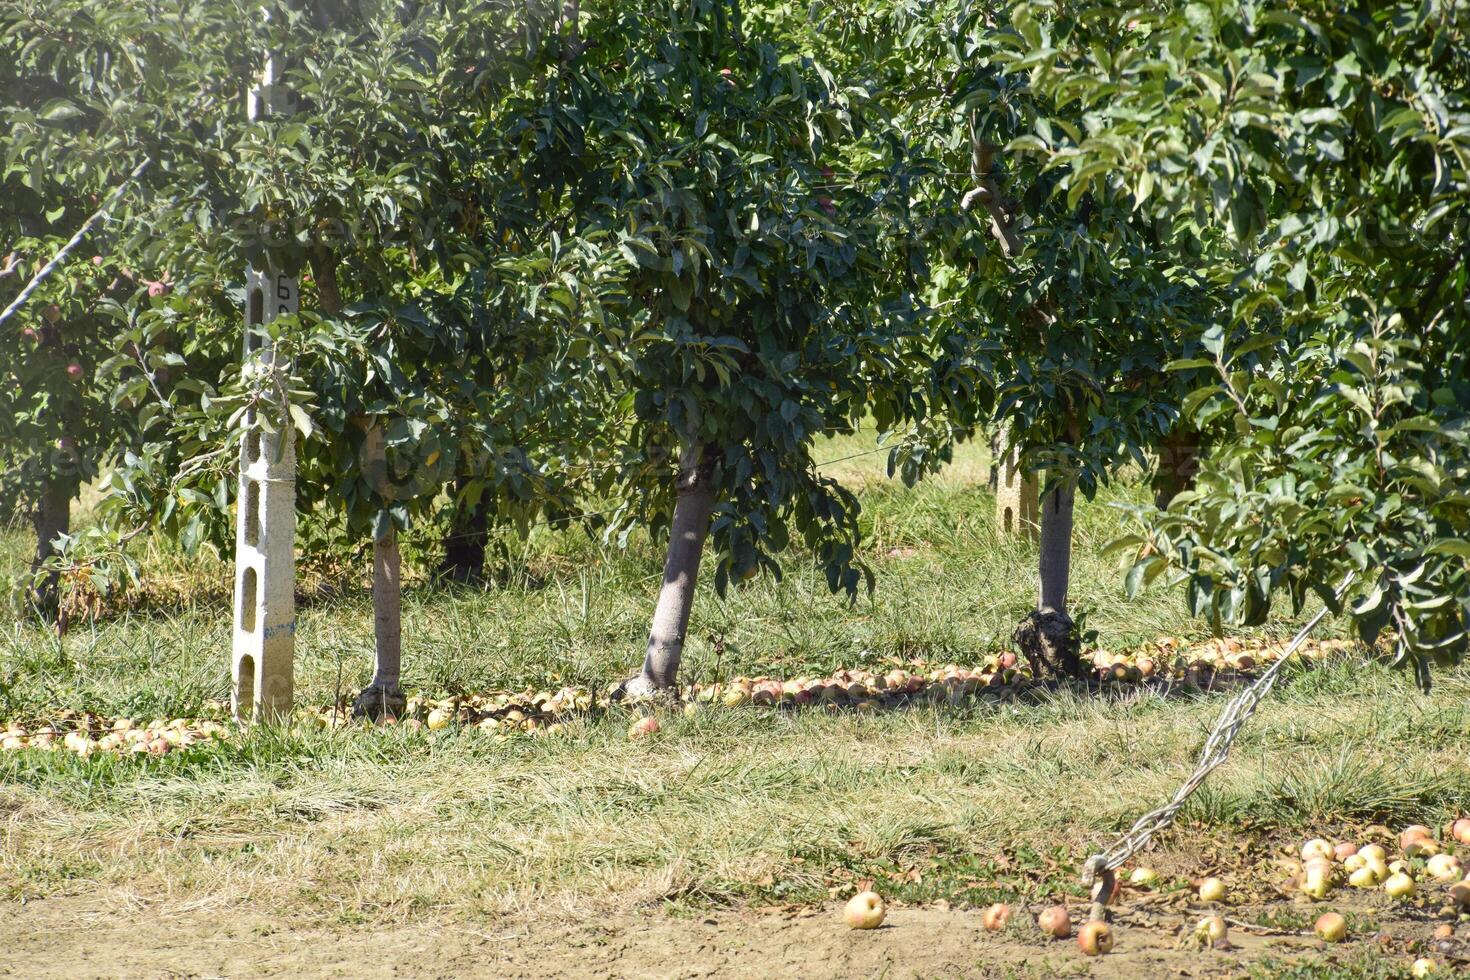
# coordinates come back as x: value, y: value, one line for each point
x: 1322, y: 868
x: 1166, y: 661
x: 508, y: 714
x: 87, y: 734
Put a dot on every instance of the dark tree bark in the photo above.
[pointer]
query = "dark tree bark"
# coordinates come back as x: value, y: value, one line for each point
x: 1179, y: 453
x: 466, y: 540
x: 51, y: 518
x: 690, y: 527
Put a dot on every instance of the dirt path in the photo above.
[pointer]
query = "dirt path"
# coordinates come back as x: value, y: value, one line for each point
x: 80, y: 938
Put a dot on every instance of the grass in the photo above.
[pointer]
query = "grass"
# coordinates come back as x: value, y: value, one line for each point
x: 970, y: 805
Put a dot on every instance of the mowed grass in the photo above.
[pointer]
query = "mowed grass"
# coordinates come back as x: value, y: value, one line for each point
x: 726, y: 806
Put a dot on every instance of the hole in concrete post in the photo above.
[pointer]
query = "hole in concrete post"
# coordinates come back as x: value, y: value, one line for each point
x: 254, y: 317
x: 1010, y: 471
x: 1009, y: 519
x: 250, y: 510
x: 245, y: 687
x: 252, y: 438
x: 248, y: 591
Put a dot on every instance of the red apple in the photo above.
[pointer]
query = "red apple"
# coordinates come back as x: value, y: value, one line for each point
x: 74, y: 371
x: 1414, y: 832
x: 157, y: 289
x: 642, y: 727
x: 1055, y: 922
x: 1460, y: 830
x: 96, y: 260
x: 996, y: 917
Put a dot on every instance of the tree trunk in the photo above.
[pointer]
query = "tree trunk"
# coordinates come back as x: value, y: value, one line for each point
x: 1056, y: 544
x: 383, y: 696
x: 324, y: 268
x: 387, y: 610
x: 51, y: 519
x: 993, y: 438
x: 1047, y: 636
x: 464, y: 545
x: 692, y: 512
x: 1178, y: 463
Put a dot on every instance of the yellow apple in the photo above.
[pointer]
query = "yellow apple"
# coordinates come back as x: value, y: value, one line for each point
x: 1212, y: 890
x: 1399, y: 885
x: 865, y: 910
x: 1332, y: 927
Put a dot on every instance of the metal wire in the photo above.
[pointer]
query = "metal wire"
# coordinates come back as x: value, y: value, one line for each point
x: 72, y: 243
x: 1100, y: 867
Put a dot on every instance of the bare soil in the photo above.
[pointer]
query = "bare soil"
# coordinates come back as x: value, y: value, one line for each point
x: 80, y: 937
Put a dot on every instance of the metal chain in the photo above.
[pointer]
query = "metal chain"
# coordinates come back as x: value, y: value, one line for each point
x: 1100, y: 867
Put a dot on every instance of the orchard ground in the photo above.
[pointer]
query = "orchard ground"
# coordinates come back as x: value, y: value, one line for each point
x: 725, y: 843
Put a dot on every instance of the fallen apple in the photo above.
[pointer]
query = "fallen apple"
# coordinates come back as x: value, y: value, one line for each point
x: 1445, y: 867
x: 1373, y: 852
x: 1055, y: 922
x: 1364, y: 877
x: 1331, y: 927
x: 1095, y: 938
x: 1399, y: 885
x: 642, y: 727
x: 1317, y: 848
x: 1353, y: 862
x: 1212, y: 890
x: 439, y: 719
x: 1459, y: 894
x: 1421, y: 847
x: 1424, y: 967
x: 1414, y: 832
x: 1144, y: 877
x: 1212, y: 928
x: 864, y: 910
x: 1345, y: 850
x: 1317, y: 886
x: 997, y: 917
x: 1460, y: 830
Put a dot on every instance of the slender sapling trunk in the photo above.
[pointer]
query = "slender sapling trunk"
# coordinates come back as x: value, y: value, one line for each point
x: 383, y: 696
x: 692, y: 510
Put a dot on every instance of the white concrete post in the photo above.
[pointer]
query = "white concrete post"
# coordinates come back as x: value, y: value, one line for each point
x: 1016, y: 497
x: 265, y: 528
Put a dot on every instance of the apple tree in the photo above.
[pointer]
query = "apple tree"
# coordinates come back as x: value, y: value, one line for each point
x: 1324, y: 150
x: 87, y: 93
x: 759, y: 309
x: 1074, y: 300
